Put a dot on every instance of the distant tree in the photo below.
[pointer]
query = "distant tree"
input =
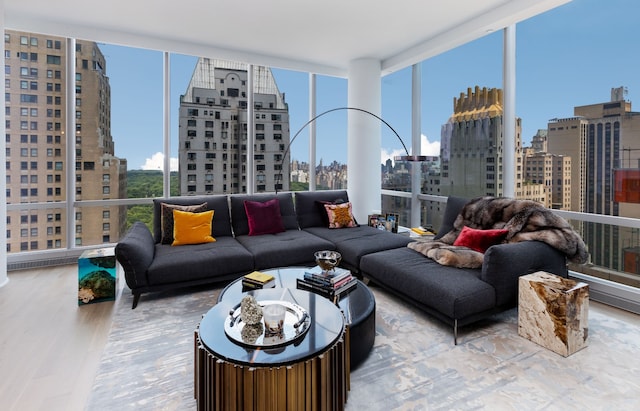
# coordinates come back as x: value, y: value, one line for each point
x: 297, y: 186
x: 146, y: 184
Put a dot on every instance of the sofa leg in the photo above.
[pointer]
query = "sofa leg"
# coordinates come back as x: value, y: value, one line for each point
x: 455, y: 332
x: 136, y: 298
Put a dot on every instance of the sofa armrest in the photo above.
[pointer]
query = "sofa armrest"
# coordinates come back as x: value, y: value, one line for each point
x: 135, y: 252
x: 505, y: 263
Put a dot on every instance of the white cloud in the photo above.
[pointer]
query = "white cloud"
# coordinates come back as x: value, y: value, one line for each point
x: 385, y: 154
x: 156, y: 162
x: 428, y: 149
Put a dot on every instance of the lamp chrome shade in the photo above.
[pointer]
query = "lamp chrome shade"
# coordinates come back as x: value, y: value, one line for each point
x: 410, y: 158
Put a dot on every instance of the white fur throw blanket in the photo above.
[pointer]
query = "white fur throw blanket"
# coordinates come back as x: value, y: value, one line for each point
x: 526, y: 220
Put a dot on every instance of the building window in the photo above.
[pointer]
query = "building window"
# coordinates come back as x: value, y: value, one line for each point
x: 53, y: 59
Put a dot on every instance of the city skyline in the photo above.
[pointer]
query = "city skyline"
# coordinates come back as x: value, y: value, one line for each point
x: 571, y: 56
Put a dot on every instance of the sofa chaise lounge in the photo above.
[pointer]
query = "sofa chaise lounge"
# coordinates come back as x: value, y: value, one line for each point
x: 461, y: 296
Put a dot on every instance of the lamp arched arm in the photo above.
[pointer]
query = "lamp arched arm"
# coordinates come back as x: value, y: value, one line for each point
x: 286, y: 152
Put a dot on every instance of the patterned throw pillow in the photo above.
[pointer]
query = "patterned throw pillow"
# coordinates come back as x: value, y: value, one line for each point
x: 166, y: 218
x: 192, y: 228
x: 340, y: 215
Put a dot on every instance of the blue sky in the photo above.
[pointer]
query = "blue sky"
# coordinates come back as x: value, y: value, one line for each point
x: 567, y: 57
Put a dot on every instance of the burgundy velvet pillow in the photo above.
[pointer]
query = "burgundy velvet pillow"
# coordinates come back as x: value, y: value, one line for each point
x: 264, y: 218
x: 479, y: 240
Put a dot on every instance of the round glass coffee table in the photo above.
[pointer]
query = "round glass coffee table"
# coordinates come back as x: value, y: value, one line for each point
x: 309, y: 372
x: 358, y: 306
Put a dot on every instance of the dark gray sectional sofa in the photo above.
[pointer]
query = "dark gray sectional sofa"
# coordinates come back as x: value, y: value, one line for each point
x: 151, y: 266
x: 457, y: 296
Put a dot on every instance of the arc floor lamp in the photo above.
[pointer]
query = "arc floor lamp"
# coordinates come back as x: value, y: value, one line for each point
x: 406, y: 157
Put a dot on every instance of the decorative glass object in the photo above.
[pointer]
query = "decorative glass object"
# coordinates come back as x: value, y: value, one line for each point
x: 327, y: 260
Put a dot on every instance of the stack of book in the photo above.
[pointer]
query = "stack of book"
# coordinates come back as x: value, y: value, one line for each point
x: 332, y: 284
x: 257, y: 280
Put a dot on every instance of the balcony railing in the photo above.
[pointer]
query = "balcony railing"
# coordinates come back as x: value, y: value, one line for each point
x: 607, y: 284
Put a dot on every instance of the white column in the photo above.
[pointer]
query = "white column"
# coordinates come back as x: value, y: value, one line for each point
x: 364, y: 137
x: 416, y: 142
x: 70, y: 125
x: 251, y: 128
x: 3, y: 173
x: 509, y: 113
x: 312, y: 132
x: 166, y: 124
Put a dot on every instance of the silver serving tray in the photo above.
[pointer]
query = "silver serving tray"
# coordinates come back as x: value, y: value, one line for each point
x: 296, y: 323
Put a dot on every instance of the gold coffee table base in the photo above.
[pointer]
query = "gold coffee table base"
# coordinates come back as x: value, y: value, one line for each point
x: 319, y: 383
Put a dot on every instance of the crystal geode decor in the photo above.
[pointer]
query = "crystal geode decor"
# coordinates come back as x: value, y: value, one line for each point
x: 250, y: 310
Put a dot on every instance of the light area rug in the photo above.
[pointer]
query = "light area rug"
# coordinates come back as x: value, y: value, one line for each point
x: 147, y: 363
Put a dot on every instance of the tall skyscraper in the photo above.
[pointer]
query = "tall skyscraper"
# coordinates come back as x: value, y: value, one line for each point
x: 472, y: 144
x: 603, y: 140
x: 36, y: 139
x: 213, y: 130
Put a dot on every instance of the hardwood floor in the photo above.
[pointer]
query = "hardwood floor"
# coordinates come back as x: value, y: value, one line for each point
x: 50, y: 348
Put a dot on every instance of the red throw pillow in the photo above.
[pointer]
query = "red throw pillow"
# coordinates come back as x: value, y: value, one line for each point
x: 264, y: 218
x: 479, y: 240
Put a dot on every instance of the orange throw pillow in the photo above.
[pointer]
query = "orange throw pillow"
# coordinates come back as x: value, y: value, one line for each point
x: 192, y: 228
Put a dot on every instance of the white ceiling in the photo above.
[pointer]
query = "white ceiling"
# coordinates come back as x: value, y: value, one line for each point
x: 316, y: 36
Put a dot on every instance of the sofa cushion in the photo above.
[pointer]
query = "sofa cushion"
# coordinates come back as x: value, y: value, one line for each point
x: 166, y: 218
x: 310, y: 206
x: 292, y: 247
x: 192, y: 228
x: 199, y: 262
x: 455, y: 292
x: 479, y: 240
x: 239, y: 216
x: 355, y: 242
x: 264, y: 217
x: 218, y: 203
